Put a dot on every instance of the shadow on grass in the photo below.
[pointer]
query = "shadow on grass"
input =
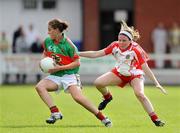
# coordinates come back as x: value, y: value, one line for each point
x: 50, y: 126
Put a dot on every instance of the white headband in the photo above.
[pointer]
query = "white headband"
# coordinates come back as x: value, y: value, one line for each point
x: 126, y: 33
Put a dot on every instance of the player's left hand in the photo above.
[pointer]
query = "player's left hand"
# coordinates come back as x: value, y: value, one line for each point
x: 161, y: 89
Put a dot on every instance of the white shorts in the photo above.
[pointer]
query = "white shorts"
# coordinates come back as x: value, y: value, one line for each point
x: 65, y: 81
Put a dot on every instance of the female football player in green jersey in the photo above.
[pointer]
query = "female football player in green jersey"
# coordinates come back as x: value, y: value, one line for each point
x: 64, y: 74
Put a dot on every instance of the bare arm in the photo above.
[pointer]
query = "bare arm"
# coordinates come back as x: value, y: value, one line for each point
x: 149, y: 73
x: 92, y: 54
x: 151, y: 76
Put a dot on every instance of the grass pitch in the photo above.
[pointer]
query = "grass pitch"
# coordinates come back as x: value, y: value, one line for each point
x: 22, y: 111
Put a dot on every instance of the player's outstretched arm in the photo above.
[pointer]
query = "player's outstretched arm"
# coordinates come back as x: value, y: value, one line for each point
x: 151, y: 76
x: 92, y: 54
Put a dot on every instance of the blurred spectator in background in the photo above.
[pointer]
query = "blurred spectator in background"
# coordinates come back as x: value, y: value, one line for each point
x: 20, y: 46
x: 4, y: 44
x: 4, y: 49
x: 32, y: 37
x: 36, y: 47
x: 16, y: 34
x: 174, y: 42
x: 159, y: 39
x: 34, y: 43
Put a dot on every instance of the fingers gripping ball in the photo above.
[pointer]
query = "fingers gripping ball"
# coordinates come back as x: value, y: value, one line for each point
x: 46, y: 64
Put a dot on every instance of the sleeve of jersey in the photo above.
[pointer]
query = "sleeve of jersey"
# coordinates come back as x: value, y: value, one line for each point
x: 76, y: 56
x: 141, y: 55
x: 108, y: 49
x: 73, y: 50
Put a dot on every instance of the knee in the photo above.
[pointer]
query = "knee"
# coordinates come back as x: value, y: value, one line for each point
x: 98, y: 84
x: 39, y: 88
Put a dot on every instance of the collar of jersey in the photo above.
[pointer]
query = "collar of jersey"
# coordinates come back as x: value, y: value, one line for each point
x: 63, y: 39
x: 129, y: 47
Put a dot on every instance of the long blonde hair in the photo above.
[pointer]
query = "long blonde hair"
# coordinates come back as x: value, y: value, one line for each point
x: 135, y: 34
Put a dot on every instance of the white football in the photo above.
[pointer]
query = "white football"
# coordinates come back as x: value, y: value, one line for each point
x: 46, y: 64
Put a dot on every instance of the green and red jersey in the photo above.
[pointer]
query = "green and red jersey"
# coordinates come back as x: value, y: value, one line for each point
x: 64, y: 52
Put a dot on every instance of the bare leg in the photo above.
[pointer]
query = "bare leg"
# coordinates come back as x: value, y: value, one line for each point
x: 77, y: 95
x: 43, y: 87
x: 138, y: 87
x: 106, y: 79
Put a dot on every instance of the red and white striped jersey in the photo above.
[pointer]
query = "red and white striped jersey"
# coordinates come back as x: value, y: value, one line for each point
x: 129, y: 60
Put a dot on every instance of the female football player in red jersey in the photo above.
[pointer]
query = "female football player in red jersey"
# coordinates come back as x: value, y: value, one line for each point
x: 65, y: 74
x: 131, y: 65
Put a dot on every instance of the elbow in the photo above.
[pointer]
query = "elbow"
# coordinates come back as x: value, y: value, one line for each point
x: 78, y: 64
